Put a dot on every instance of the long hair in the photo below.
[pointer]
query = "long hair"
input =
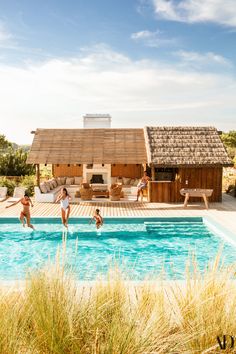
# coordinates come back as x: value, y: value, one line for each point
x: 65, y: 190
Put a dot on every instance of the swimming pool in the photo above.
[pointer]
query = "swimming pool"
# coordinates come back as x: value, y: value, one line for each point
x: 141, y: 248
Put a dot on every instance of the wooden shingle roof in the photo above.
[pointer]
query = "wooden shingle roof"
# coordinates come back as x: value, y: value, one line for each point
x: 185, y: 146
x: 79, y: 146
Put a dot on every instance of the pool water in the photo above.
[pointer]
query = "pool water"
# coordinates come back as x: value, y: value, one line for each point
x: 141, y: 248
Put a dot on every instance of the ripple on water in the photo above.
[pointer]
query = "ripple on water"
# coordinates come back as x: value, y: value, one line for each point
x: 139, y: 252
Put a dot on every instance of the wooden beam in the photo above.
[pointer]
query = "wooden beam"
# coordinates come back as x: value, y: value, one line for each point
x: 37, y: 174
x: 153, y: 172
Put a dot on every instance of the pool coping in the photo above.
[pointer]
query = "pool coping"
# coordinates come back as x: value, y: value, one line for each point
x: 86, y: 218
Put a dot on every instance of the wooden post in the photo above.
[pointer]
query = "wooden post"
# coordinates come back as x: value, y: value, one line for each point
x: 153, y: 173
x: 149, y: 196
x: 37, y: 174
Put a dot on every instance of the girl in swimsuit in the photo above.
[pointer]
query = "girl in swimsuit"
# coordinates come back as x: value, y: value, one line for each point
x: 25, y: 213
x: 98, y: 219
x: 64, y: 199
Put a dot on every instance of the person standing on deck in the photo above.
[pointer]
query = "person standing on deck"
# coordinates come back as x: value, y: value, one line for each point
x: 142, y: 184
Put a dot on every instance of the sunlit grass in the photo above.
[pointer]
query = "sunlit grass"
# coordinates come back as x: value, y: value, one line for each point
x: 55, y: 314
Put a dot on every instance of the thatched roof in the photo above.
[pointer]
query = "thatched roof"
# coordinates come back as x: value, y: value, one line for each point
x: 162, y: 146
x: 79, y: 146
x: 185, y: 146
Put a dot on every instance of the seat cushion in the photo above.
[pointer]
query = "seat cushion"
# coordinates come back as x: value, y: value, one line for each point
x: 61, y: 180
x: 43, y: 188
x: 113, y: 180
x: 57, y: 189
x: 136, y: 182
x: 69, y: 180
x: 78, y: 180
x: 126, y: 181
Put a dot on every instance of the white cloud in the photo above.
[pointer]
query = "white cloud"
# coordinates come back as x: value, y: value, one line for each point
x: 192, y: 11
x: 57, y: 92
x: 152, y: 39
x: 4, y: 34
x: 204, y: 59
x: 142, y: 34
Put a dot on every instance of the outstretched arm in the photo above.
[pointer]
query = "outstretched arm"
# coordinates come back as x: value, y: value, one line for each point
x: 18, y: 201
x: 31, y: 202
x: 58, y: 198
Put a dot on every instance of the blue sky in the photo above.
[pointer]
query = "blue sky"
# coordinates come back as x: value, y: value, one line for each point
x: 143, y: 61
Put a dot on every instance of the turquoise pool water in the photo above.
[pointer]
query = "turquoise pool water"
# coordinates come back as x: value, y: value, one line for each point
x: 140, y: 247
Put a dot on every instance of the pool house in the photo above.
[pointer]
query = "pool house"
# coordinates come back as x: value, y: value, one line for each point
x: 175, y: 158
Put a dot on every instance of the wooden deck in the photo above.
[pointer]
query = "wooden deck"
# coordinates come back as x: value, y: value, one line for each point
x: 224, y: 213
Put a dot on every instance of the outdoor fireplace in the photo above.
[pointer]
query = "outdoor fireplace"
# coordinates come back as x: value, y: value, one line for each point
x: 97, y: 179
x: 99, y: 174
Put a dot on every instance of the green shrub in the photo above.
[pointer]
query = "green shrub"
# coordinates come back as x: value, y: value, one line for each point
x: 28, y: 182
x: 46, y: 171
x: 9, y: 183
x: 13, y: 163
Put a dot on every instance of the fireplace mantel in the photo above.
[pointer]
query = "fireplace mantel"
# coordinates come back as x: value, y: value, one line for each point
x: 97, y: 169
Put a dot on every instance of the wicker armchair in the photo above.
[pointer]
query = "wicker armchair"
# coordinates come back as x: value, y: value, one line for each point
x: 86, y: 192
x: 115, y: 192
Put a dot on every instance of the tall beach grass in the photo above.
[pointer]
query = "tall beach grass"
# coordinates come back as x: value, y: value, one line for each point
x: 55, y: 314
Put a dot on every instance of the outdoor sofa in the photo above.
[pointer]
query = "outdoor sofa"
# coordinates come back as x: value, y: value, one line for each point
x: 129, y: 185
x: 48, y: 191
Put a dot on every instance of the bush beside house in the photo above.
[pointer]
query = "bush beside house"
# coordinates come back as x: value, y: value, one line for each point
x: 13, y: 163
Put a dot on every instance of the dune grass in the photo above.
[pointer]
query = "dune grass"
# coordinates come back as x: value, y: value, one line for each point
x: 54, y: 314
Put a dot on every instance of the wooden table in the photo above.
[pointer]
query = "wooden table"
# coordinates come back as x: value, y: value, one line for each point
x: 100, y: 190
x: 204, y: 193
x: 101, y: 194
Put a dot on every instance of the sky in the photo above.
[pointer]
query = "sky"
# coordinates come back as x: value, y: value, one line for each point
x: 145, y: 62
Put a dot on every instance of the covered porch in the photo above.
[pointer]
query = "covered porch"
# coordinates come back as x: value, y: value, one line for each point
x: 100, y: 158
